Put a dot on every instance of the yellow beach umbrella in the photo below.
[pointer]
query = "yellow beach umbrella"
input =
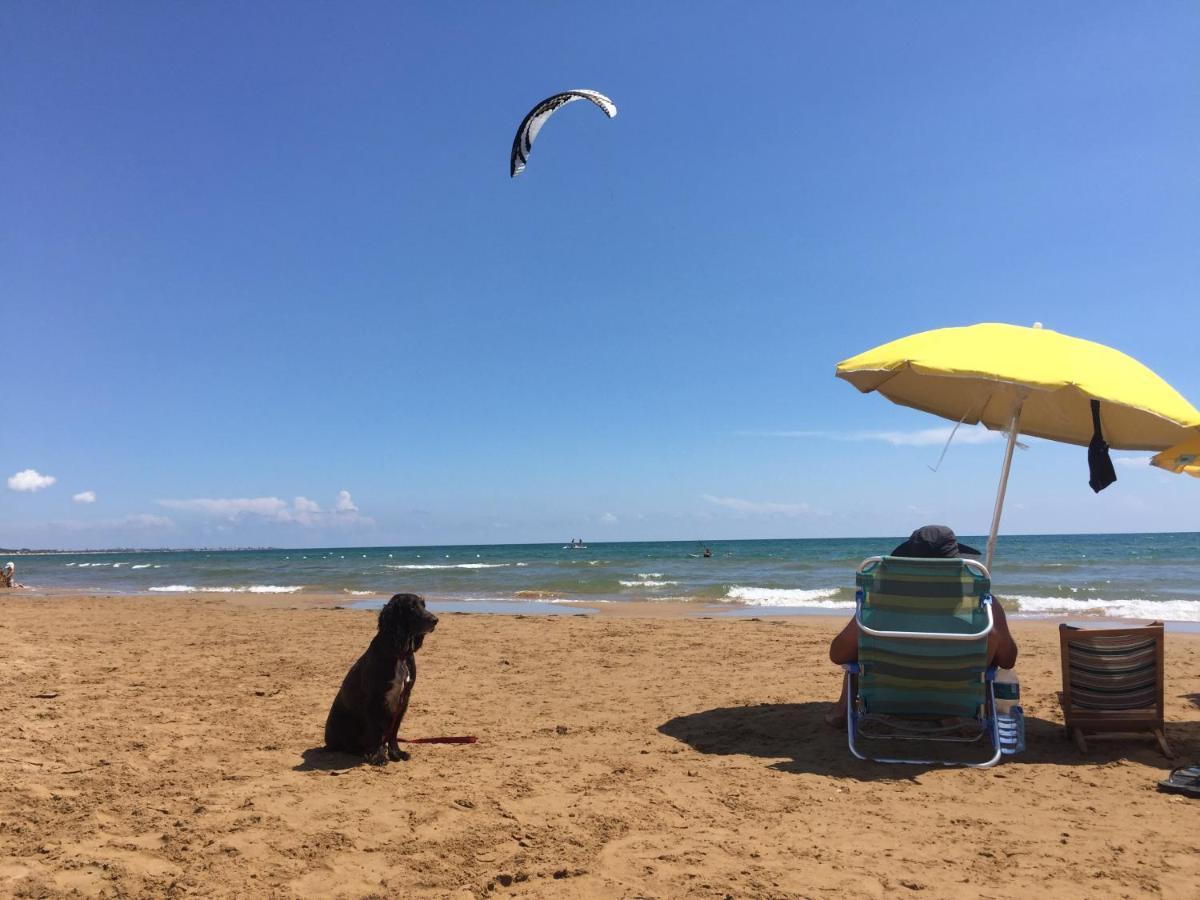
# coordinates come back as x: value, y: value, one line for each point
x: 1182, y: 458
x: 1025, y: 381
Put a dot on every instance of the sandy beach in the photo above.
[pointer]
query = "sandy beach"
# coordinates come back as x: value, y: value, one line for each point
x: 169, y: 747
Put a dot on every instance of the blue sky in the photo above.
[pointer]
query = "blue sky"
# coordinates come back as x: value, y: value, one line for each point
x: 258, y: 252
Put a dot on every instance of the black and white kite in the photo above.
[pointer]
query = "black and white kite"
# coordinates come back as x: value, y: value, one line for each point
x: 533, y: 122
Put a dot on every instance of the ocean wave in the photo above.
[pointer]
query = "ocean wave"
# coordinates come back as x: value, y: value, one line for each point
x: 646, y: 582
x: 1133, y: 608
x: 650, y: 574
x: 141, y: 566
x: 451, y: 566
x: 516, y: 598
x: 252, y: 589
x: 360, y: 593
x: 821, y: 598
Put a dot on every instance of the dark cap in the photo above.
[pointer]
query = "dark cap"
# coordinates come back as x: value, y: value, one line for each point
x: 934, y: 542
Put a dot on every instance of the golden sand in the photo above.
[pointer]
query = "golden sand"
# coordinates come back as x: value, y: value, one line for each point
x: 169, y: 747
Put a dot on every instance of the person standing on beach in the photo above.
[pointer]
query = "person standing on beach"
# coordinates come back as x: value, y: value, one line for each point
x: 927, y: 542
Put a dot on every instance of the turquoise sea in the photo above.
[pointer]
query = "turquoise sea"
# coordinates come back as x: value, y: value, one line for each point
x: 1119, y: 575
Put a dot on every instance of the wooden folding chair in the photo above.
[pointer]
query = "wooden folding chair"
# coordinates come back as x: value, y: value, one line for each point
x: 1112, y: 682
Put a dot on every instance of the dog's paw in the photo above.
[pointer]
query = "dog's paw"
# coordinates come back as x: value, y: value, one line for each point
x: 378, y: 758
x: 395, y: 754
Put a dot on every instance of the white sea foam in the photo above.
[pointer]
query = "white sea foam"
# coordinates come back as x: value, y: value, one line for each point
x: 360, y: 593
x: 1134, y: 608
x: 252, y: 589
x: 819, y: 598
x: 650, y: 575
x: 588, y: 601
x: 452, y: 566
x: 141, y: 566
x: 70, y: 564
x: 647, y: 582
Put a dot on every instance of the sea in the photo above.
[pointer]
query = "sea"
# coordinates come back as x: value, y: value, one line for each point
x: 1126, y: 576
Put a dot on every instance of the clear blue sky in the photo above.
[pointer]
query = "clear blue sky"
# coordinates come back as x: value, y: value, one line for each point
x: 257, y: 252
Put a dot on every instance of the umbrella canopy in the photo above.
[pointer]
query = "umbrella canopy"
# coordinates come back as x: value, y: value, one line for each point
x: 1182, y: 458
x: 1026, y: 380
x: 984, y: 373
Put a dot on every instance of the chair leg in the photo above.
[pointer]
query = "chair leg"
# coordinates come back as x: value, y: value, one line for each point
x: 1080, y: 743
x: 1162, y: 743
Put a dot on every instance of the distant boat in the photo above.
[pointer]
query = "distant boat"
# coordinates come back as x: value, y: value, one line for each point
x: 576, y: 544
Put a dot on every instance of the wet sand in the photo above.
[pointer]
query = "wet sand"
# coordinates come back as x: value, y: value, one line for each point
x: 171, y: 746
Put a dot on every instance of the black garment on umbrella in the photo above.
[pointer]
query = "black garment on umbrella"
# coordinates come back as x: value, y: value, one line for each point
x: 1100, y: 467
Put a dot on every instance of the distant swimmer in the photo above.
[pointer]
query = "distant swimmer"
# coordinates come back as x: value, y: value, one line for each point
x: 707, y: 553
x: 6, y: 577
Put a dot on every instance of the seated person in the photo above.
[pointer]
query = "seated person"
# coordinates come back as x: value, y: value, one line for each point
x: 6, y: 576
x: 927, y: 542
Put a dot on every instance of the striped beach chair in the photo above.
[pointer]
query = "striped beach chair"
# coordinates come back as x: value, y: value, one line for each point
x: 922, y: 672
x: 1113, y: 681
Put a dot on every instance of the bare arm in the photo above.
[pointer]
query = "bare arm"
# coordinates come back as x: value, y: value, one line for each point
x: 844, y: 647
x: 1002, y: 649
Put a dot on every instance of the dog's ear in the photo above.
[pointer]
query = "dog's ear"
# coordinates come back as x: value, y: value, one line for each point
x: 389, y: 616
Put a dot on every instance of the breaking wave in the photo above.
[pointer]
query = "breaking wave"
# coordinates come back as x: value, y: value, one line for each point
x: 820, y: 598
x: 252, y: 589
x: 452, y: 566
x: 1135, y: 608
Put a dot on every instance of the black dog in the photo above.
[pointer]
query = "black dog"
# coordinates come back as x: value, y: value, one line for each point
x: 366, y: 714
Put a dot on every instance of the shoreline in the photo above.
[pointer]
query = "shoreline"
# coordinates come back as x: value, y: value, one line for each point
x: 636, y: 608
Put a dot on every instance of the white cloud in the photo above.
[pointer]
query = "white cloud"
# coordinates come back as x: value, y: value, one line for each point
x: 609, y: 519
x: 758, y: 507
x: 30, y: 480
x: 301, y: 511
x: 85, y: 497
x: 232, y: 507
x: 921, y: 437
x: 144, y: 520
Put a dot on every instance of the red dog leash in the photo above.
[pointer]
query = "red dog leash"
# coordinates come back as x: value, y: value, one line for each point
x: 460, y: 739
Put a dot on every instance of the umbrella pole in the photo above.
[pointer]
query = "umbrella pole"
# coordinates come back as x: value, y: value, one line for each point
x: 1008, y: 455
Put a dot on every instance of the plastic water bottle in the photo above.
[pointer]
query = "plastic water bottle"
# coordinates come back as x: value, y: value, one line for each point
x: 1010, y: 717
x: 1008, y: 691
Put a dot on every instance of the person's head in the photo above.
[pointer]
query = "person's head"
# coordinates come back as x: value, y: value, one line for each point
x: 9, y: 568
x: 934, y: 542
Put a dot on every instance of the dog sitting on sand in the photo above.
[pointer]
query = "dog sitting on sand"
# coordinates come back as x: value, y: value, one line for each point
x: 366, y: 714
